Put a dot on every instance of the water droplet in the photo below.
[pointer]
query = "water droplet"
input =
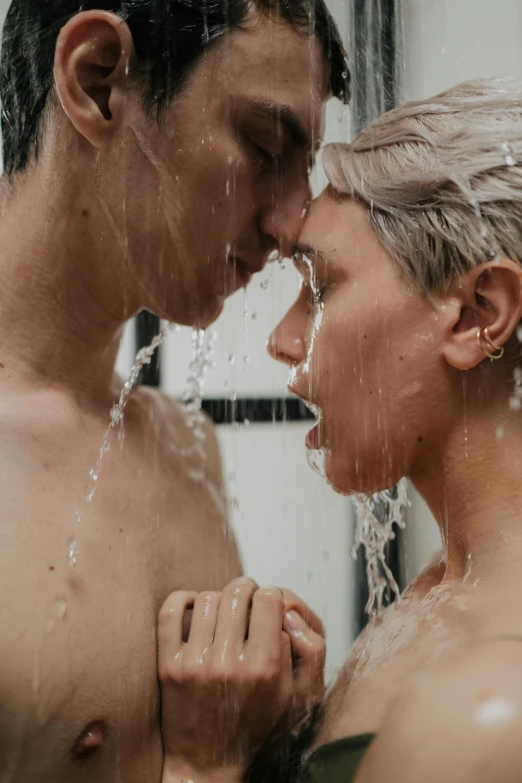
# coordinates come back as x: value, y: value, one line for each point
x: 255, y: 315
x: 509, y: 156
x: 72, y: 551
x: 273, y: 256
x: 60, y: 608
x: 264, y: 284
x: 232, y: 359
x: 499, y: 433
x: 246, y: 359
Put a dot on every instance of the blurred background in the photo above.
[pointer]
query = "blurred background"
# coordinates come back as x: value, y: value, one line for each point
x: 293, y: 530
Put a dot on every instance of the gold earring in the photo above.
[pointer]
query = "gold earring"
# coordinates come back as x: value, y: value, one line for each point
x: 483, y: 336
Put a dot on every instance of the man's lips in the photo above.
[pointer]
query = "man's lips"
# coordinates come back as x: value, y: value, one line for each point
x: 244, y: 271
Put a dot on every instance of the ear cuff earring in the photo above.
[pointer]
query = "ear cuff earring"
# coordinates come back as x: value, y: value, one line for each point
x: 487, y: 346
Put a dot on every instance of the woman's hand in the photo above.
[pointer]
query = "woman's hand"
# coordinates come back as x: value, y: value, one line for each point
x: 228, y: 685
x: 306, y: 633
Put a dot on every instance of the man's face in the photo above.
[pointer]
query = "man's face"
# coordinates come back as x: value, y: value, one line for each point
x: 223, y: 179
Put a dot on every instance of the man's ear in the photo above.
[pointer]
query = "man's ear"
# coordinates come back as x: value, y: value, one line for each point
x: 489, y: 295
x: 91, y: 67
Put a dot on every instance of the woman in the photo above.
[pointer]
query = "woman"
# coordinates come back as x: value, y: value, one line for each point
x: 404, y: 337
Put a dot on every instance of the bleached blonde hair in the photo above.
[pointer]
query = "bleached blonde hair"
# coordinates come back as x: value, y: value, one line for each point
x: 441, y: 178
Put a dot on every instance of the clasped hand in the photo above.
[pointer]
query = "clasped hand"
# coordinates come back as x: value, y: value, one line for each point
x: 253, y: 661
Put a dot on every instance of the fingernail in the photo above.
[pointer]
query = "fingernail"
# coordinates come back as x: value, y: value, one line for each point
x: 294, y: 620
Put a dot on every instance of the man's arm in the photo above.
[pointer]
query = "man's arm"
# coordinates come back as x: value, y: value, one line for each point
x: 457, y: 723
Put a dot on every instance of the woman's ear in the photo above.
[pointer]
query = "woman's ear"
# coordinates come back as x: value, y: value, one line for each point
x: 91, y: 67
x: 488, y: 296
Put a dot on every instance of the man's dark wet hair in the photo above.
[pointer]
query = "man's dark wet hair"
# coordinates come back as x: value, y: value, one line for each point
x: 169, y: 36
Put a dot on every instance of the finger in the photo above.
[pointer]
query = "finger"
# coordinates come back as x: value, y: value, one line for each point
x: 307, y: 645
x: 287, y: 675
x: 309, y: 652
x: 170, y: 625
x: 266, y: 622
x: 293, y: 602
x: 204, y: 619
x: 234, y: 611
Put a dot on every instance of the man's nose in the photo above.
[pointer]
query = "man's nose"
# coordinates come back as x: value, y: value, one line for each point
x: 283, y: 219
x: 285, y: 344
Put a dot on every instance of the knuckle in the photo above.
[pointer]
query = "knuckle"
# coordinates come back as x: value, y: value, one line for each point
x: 265, y: 669
x: 174, y: 604
x: 169, y: 670
x: 272, y: 596
x: 240, y: 587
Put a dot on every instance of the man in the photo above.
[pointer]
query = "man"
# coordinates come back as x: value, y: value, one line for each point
x: 155, y: 154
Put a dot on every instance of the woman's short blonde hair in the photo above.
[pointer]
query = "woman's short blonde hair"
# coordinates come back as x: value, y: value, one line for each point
x: 441, y: 178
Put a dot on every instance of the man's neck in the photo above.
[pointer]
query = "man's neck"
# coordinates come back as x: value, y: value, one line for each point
x: 61, y: 313
x: 472, y: 485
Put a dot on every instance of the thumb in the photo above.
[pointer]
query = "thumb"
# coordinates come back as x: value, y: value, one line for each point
x: 307, y: 645
x: 309, y: 650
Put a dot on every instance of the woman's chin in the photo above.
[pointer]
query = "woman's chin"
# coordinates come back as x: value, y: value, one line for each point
x: 346, y: 480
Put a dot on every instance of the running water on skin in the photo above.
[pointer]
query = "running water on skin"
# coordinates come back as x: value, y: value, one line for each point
x: 143, y: 358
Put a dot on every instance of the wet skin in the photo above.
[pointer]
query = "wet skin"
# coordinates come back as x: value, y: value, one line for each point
x: 404, y: 389
x: 138, y: 219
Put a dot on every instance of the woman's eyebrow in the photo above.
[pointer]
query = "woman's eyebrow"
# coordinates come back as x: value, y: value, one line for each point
x: 313, y: 253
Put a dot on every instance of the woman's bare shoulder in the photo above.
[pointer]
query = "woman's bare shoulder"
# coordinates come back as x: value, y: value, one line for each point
x: 460, y: 720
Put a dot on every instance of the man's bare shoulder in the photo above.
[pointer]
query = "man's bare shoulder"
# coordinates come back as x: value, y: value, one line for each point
x: 177, y: 426
x: 459, y: 721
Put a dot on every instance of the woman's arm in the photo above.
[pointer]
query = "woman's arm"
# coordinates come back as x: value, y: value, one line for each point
x: 235, y: 679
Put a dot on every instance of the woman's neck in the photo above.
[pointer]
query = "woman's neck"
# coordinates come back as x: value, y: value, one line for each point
x: 473, y: 486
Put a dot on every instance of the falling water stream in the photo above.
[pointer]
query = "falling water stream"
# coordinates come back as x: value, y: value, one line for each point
x: 202, y: 348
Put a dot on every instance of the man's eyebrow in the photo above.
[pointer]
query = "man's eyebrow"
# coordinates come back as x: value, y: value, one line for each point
x: 288, y: 119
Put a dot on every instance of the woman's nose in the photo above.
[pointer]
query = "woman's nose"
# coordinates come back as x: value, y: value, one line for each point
x: 285, y: 345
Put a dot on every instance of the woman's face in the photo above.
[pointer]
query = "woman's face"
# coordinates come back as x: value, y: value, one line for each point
x: 362, y: 344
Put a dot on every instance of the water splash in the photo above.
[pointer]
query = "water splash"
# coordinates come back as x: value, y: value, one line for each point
x: 374, y: 535
x: 316, y: 460
x: 143, y: 358
x: 203, y: 344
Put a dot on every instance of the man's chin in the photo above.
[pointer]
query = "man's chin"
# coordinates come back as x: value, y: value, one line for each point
x: 200, y: 316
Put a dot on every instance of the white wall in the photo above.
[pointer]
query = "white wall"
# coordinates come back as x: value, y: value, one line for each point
x: 445, y: 42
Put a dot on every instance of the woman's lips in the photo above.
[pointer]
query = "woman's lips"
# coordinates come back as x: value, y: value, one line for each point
x: 313, y: 436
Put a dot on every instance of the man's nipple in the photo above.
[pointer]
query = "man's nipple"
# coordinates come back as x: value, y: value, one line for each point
x: 91, y: 739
